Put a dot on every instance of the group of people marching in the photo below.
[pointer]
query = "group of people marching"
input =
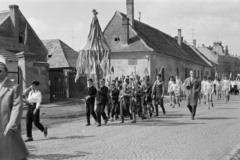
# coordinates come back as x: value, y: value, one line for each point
x: 128, y: 96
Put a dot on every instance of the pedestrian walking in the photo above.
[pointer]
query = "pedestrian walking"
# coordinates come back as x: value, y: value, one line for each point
x: 158, y: 94
x: 101, y: 98
x: 124, y: 99
x: 193, y: 88
x: 226, y: 88
x: 33, y: 101
x: 170, y: 92
x: 209, y: 91
x: 90, y: 94
x: 114, y: 95
x: 12, y: 146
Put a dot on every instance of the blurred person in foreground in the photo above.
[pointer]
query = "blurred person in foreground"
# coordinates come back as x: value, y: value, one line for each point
x: 12, y: 146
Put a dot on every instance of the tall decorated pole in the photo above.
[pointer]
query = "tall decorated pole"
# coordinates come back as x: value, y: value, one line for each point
x: 94, y: 57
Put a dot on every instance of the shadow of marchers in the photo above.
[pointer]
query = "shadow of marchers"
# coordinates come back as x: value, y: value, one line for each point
x: 214, y: 118
x: 59, y: 156
x: 225, y: 108
x: 67, y: 137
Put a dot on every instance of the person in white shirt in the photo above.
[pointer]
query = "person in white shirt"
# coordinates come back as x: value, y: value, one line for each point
x: 176, y: 91
x: 218, y: 89
x: 209, y: 90
x: 171, y: 93
x: 203, y: 96
x: 33, y: 100
x: 179, y: 83
x: 226, y: 88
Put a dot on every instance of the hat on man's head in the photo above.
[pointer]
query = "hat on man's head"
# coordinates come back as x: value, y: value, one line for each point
x: 35, y: 82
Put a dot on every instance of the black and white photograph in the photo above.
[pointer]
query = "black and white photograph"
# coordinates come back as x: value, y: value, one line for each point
x: 119, y: 79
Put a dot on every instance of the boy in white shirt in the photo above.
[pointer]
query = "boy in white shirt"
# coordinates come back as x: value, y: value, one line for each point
x: 175, y: 90
x: 209, y: 90
x: 203, y: 96
x: 226, y: 88
x: 171, y: 93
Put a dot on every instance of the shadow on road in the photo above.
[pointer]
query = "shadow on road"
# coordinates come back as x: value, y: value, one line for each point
x: 59, y: 156
x: 215, y: 118
x: 67, y: 137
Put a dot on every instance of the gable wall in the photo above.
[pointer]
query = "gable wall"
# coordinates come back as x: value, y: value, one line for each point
x: 114, y: 29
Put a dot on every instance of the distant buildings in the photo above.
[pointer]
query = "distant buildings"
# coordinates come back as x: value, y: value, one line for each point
x: 224, y: 64
x: 138, y: 47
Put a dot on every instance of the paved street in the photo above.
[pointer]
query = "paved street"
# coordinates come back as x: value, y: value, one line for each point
x: 212, y: 135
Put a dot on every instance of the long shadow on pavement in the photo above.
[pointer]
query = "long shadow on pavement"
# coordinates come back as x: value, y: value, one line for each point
x: 67, y: 137
x: 215, y: 118
x: 59, y: 156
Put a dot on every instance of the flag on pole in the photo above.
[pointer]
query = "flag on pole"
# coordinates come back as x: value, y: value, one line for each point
x: 112, y: 70
x: 94, y: 57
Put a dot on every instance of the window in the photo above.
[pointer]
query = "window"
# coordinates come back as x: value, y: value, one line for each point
x: 163, y: 74
x: 21, y: 39
x: 116, y: 39
x: 186, y: 74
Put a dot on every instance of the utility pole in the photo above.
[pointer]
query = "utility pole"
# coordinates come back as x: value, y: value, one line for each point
x: 139, y: 18
x: 193, y: 31
x: 72, y: 38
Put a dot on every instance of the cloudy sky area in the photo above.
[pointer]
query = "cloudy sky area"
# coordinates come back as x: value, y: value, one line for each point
x: 211, y: 20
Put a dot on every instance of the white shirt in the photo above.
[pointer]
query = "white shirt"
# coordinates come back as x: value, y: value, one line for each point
x: 226, y: 85
x: 170, y: 83
x: 35, y: 97
x: 203, y: 85
x: 1, y: 83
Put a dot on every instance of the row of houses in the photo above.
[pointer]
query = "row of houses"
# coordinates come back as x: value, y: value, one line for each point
x: 135, y: 47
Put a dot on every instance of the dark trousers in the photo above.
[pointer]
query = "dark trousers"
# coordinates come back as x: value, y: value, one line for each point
x: 90, y: 111
x: 30, y: 118
x: 124, y: 107
x: 159, y: 101
x: 192, y: 109
x: 114, y: 108
x: 109, y: 108
x: 100, y: 112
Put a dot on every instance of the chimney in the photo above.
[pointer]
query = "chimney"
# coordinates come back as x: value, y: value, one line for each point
x: 194, y: 43
x: 14, y: 14
x: 203, y: 45
x: 226, y: 50
x: 130, y: 11
x: 179, y: 37
x: 125, y: 34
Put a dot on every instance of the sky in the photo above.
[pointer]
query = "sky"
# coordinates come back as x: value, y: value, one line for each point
x: 69, y: 20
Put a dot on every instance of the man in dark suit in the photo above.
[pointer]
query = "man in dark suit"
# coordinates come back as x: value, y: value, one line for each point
x: 90, y: 94
x: 101, y: 98
x: 193, y: 88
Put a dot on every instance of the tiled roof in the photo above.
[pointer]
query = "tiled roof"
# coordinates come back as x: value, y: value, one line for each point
x: 60, y: 54
x: 11, y: 56
x: 3, y: 15
x: 162, y: 43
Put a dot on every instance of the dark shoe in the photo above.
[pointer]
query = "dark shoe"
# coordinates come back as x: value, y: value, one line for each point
x: 106, y: 120
x: 88, y: 124
x: 192, y: 118
x: 144, y: 117
x: 178, y: 104
x: 29, y: 140
x: 212, y: 105
x: 122, y: 121
x: 134, y: 121
x: 173, y: 106
x: 45, y: 131
x: 98, y: 125
x: 156, y: 115
x: 150, y: 114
